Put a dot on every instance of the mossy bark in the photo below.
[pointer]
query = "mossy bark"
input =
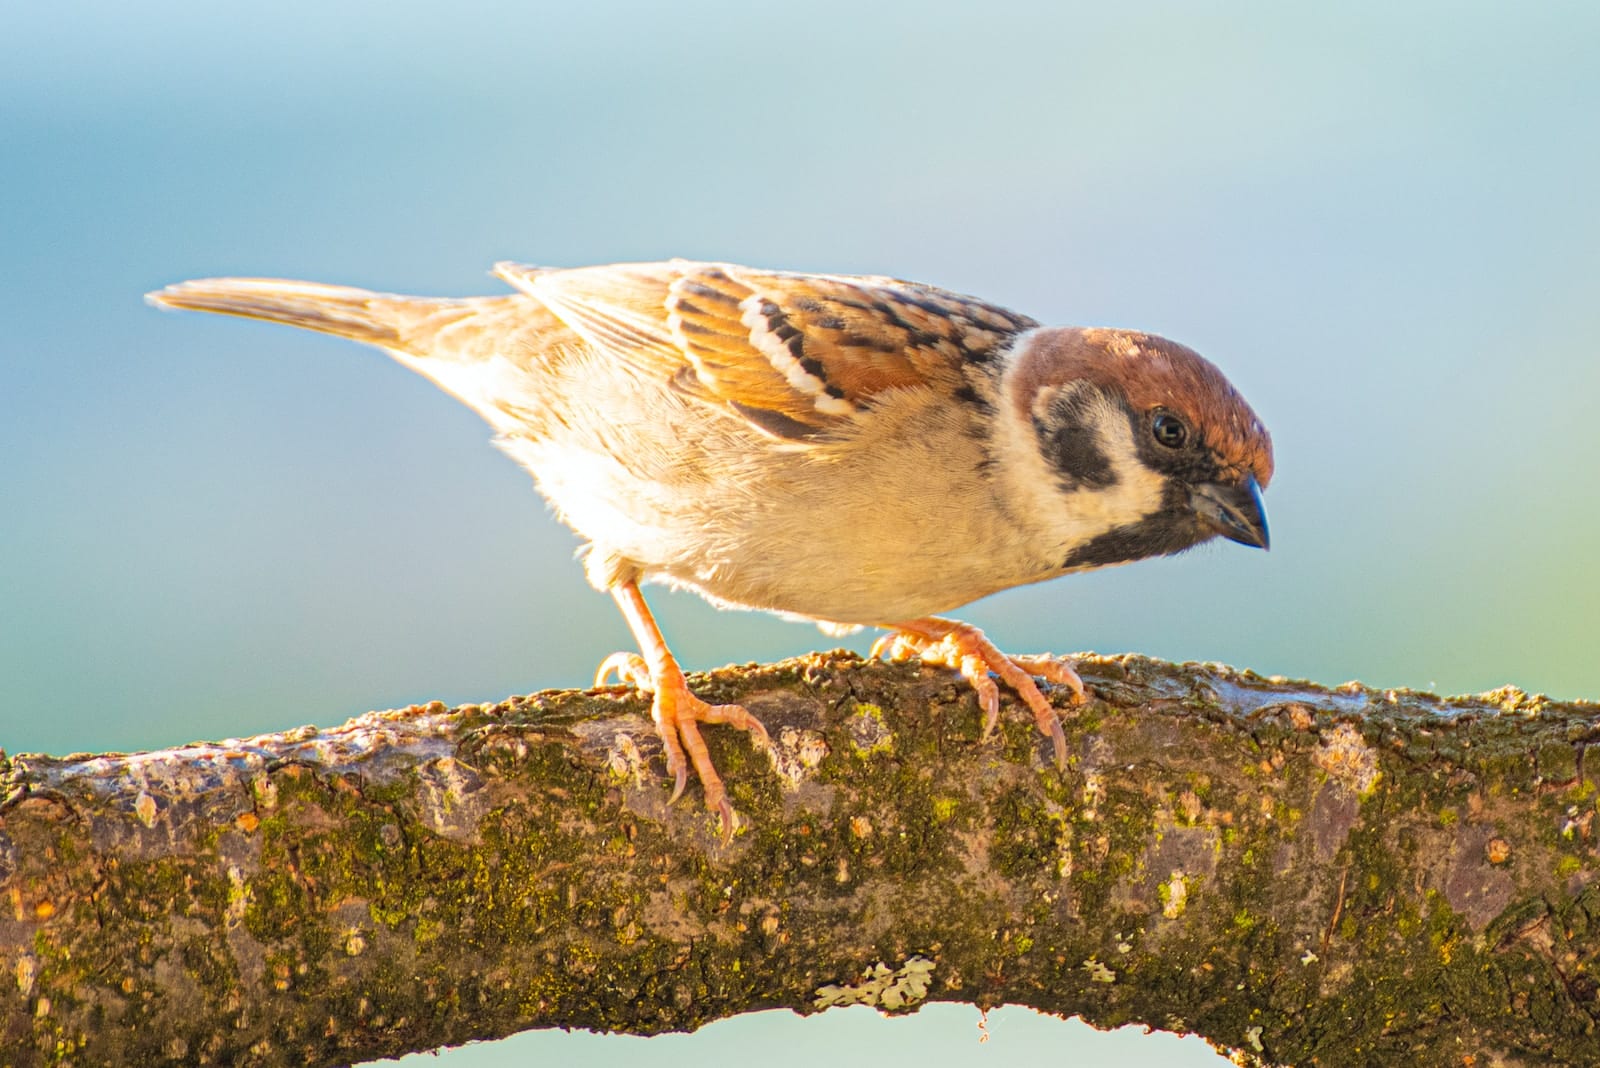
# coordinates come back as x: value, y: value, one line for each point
x: 1307, y: 876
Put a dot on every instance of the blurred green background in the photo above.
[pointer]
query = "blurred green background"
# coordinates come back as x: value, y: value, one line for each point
x: 1379, y: 219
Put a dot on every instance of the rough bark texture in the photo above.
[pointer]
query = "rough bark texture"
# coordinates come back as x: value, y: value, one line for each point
x: 1307, y: 876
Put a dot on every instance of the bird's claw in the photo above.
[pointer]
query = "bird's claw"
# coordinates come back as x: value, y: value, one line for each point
x: 630, y: 669
x: 681, y: 714
x: 964, y: 648
x: 678, y: 714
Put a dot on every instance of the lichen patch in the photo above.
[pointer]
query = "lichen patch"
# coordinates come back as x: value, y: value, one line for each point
x: 1174, y: 896
x: 144, y: 806
x: 624, y: 760
x: 1347, y: 758
x: 869, y: 735
x: 883, y: 987
x: 27, y: 970
x: 796, y: 753
x: 1098, y: 972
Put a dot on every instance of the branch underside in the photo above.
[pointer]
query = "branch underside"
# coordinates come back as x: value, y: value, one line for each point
x: 1338, y: 877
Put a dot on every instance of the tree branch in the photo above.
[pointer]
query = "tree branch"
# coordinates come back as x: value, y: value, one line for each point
x: 1339, y: 877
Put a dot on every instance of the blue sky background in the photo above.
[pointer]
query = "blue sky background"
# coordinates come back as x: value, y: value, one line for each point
x: 1379, y: 219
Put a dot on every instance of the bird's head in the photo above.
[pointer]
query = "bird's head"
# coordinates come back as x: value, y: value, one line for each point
x: 1150, y: 449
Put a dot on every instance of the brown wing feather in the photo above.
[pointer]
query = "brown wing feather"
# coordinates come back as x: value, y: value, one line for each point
x: 793, y: 353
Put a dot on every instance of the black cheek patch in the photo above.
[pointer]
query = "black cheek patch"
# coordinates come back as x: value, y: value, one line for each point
x: 1076, y: 454
x: 1070, y: 443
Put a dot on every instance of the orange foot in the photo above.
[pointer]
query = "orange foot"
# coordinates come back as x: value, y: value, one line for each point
x: 963, y: 647
x: 677, y: 712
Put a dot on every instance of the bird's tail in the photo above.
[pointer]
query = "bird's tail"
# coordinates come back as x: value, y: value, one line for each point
x: 463, y: 329
x: 376, y: 318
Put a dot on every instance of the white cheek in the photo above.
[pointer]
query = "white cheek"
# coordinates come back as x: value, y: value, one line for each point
x: 1136, y: 494
x: 1064, y: 521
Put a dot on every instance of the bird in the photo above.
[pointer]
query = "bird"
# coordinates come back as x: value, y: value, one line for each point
x: 850, y: 450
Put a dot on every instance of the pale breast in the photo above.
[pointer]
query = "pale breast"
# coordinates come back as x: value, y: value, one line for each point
x: 868, y: 530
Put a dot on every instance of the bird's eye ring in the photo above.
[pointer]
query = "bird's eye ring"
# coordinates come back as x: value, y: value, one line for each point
x: 1169, y: 430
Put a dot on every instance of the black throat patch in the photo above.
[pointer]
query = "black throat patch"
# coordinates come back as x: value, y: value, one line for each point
x: 1162, y: 534
x: 1171, y: 530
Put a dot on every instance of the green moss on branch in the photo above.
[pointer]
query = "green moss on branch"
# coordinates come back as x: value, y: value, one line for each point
x: 1341, y: 877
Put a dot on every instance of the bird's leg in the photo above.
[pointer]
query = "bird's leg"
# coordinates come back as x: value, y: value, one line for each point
x: 964, y: 648
x: 677, y: 712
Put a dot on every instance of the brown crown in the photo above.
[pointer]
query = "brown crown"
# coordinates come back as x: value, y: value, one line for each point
x: 1152, y: 372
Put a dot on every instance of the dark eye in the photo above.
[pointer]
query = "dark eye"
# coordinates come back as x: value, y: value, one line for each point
x: 1169, y: 430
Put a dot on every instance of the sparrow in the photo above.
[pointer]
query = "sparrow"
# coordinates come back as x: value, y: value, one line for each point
x: 848, y: 450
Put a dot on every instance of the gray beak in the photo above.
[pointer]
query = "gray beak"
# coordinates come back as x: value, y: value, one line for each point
x: 1235, y: 512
